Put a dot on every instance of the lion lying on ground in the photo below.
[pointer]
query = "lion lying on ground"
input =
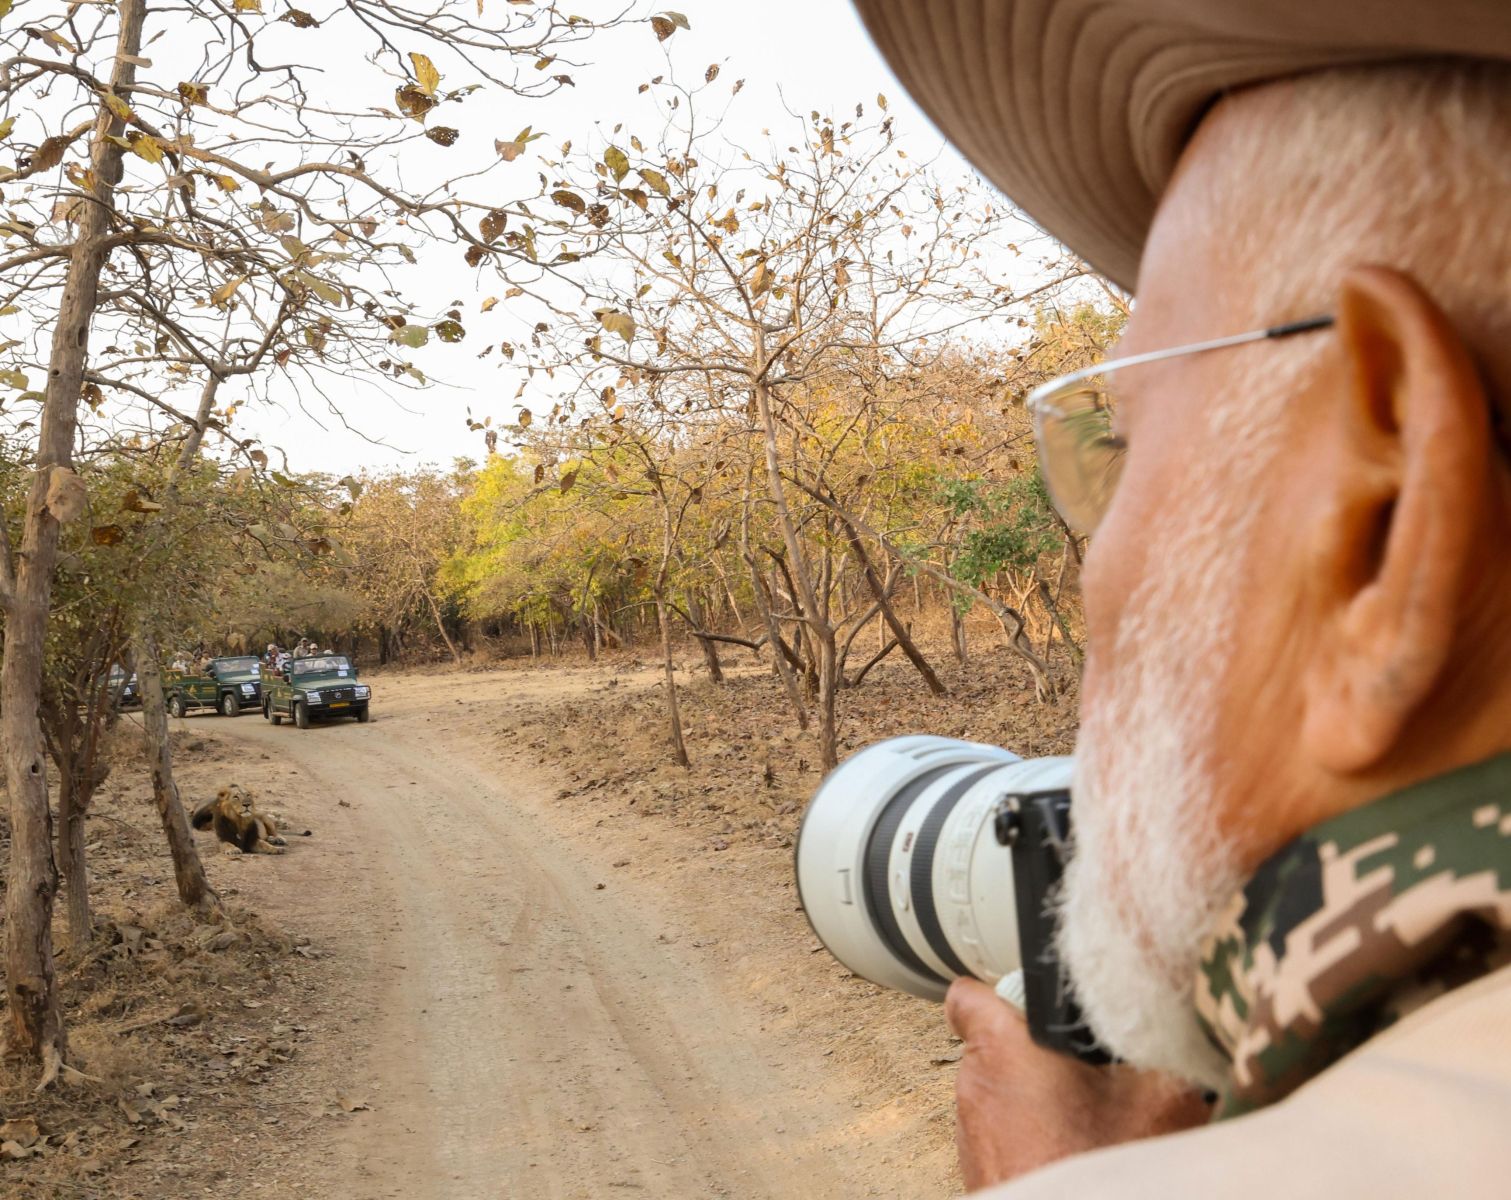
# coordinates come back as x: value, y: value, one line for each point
x: 241, y: 828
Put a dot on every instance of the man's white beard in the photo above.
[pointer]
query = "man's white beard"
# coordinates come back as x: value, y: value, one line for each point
x: 1150, y: 872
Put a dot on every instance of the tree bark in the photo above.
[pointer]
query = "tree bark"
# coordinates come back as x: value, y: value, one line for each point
x: 1057, y: 621
x: 673, y: 710
x: 188, y: 872
x: 710, y: 649
x: 36, y: 1023
x: 899, y: 631
x: 71, y: 861
x: 826, y: 658
x: 440, y: 624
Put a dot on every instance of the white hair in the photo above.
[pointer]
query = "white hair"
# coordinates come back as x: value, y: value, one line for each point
x: 1404, y: 165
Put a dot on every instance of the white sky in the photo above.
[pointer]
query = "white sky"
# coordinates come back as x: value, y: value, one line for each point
x: 812, y: 54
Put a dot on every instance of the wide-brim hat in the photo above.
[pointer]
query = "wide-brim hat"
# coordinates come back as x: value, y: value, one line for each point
x: 1079, y: 109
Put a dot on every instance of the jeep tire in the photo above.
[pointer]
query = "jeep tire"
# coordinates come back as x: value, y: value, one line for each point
x: 363, y: 716
x: 176, y: 706
x: 301, y: 714
x: 272, y: 713
x: 230, y: 704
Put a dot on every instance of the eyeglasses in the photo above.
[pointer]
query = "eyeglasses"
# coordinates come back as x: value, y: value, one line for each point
x: 1080, y: 454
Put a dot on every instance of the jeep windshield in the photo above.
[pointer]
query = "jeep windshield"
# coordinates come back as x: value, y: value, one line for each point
x: 323, y: 664
x: 235, y: 666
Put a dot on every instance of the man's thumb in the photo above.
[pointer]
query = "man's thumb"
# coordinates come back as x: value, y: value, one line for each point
x: 975, y: 1012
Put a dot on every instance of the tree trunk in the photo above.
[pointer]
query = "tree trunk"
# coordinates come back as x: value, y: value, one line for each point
x: 899, y: 631
x: 673, y: 711
x: 36, y: 1023
x: 440, y: 624
x: 193, y: 888
x: 826, y: 658
x: 71, y: 861
x: 779, y: 662
x: 1010, y: 619
x: 710, y: 651
x: 957, y: 634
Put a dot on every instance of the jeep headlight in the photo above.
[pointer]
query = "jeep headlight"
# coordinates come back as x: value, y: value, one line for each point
x: 312, y: 697
x: 247, y: 688
x: 363, y: 692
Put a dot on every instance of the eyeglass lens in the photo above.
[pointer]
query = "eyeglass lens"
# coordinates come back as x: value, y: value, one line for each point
x: 1081, y: 455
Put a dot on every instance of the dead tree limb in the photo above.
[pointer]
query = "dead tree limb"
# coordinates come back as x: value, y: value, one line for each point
x: 1012, y: 620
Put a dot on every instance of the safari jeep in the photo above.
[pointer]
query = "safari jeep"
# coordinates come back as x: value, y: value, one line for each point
x: 320, y: 687
x: 228, y: 686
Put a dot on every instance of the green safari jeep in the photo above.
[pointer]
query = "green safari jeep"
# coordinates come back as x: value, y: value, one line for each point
x: 228, y: 686
x: 315, y: 688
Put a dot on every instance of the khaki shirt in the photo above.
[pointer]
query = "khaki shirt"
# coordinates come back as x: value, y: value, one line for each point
x: 1421, y: 1110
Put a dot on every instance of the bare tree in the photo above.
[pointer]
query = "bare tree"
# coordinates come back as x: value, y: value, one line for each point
x: 770, y: 284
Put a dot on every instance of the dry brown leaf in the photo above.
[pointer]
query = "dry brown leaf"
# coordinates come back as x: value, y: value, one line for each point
x: 21, y: 1130
x: 425, y: 73
x: 350, y: 1104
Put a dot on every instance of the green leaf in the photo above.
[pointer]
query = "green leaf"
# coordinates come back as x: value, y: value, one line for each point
x: 656, y: 180
x: 449, y: 331
x: 328, y: 292
x: 613, y: 158
x: 570, y: 200
x: 412, y: 336
x: 14, y: 378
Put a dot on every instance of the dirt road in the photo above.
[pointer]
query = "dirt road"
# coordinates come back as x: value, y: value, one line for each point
x: 522, y: 1017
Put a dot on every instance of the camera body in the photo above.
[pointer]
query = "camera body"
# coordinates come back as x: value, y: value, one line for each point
x: 922, y: 859
x: 1035, y: 826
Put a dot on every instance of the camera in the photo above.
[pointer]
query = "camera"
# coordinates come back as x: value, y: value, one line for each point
x: 922, y: 859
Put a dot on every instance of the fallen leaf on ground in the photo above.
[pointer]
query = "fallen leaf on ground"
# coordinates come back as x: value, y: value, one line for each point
x: 21, y: 1130
x: 351, y: 1104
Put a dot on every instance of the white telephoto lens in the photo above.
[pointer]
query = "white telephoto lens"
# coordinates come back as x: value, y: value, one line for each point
x: 899, y: 868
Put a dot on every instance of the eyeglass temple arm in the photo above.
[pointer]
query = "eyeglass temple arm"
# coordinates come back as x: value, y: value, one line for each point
x: 1289, y: 329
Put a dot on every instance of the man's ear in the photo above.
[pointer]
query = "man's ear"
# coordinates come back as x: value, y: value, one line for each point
x: 1409, y: 477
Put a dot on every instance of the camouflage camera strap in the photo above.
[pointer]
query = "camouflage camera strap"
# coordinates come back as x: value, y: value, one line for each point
x: 1354, y: 925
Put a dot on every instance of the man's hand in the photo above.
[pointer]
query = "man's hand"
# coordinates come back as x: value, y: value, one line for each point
x: 1020, y: 1106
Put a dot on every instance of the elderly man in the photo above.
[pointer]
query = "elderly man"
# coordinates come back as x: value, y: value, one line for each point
x: 1292, y: 880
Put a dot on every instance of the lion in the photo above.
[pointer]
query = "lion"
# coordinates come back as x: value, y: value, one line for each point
x: 241, y: 828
